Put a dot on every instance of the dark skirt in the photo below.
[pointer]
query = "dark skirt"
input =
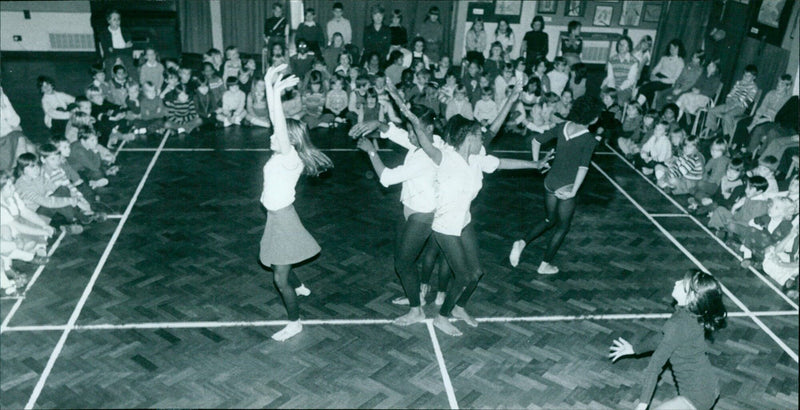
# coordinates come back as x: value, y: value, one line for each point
x: 286, y: 241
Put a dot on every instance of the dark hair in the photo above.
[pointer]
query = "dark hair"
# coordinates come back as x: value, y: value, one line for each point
x: 86, y: 132
x: 559, y: 60
x: 609, y: 91
x: 672, y: 107
x: 118, y: 68
x: 205, y: 64
x: 550, y: 98
x: 394, y: 56
x: 785, y: 77
x: 371, y: 93
x: 431, y: 11
x: 580, y: 72
x: 719, y: 141
x: 375, y: 10
x: 758, y: 183
x: 47, y: 149
x: 707, y: 301
x: 538, y: 19
x: 585, y: 110
x: 310, y: 10
x: 737, y: 163
x: 231, y: 80
x: 678, y: 43
x: 537, y: 82
x: 769, y: 161
x: 337, y: 5
x: 508, y: 28
x: 44, y: 79
x: 96, y: 68
x: 181, y: 89
x: 24, y: 161
x: 627, y: 40
x: 111, y: 12
x: 486, y: 91
x: 690, y: 139
x: 426, y: 115
x: 213, y: 51
x: 457, y: 130
x: 573, y: 25
x: 752, y: 69
x: 398, y: 13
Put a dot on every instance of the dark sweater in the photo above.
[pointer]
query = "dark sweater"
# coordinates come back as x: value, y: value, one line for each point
x: 684, y: 346
x: 538, y: 45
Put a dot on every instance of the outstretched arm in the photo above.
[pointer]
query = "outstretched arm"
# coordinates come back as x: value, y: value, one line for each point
x: 275, y: 85
x: 425, y: 140
x: 371, y: 148
x: 494, y: 128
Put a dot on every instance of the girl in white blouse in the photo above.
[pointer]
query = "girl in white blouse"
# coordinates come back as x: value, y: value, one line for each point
x: 285, y: 240
x: 461, y: 162
x: 666, y: 72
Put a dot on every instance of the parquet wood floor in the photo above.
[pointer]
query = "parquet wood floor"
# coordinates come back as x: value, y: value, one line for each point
x: 188, y: 254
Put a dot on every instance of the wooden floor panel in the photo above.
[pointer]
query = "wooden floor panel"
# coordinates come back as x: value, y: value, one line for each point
x: 23, y: 356
x: 323, y: 367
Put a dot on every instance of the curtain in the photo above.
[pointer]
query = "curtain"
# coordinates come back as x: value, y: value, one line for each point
x: 194, y: 17
x: 243, y: 23
x: 413, y: 11
x: 685, y: 21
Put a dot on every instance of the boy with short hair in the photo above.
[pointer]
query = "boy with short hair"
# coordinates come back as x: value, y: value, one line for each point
x: 559, y: 75
x: 739, y: 98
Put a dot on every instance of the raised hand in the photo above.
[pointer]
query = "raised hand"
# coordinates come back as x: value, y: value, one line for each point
x: 364, y: 128
x: 620, y: 348
x: 286, y: 82
x: 273, y: 74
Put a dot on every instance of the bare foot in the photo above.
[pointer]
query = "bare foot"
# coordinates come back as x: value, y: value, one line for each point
x: 440, y: 298
x: 302, y: 290
x: 444, y: 325
x: 415, y: 315
x: 459, y: 313
x: 290, y: 330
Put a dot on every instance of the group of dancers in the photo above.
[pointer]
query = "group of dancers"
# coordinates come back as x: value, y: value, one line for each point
x: 440, y: 177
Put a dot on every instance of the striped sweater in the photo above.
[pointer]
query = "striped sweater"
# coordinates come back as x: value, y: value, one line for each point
x: 180, y: 112
x: 35, y: 192
x: 688, y: 166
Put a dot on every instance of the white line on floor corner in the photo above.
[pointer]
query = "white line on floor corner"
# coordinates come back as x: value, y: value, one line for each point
x: 448, y: 385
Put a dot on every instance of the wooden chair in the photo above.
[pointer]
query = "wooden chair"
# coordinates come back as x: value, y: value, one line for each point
x: 699, y: 119
x: 751, y: 113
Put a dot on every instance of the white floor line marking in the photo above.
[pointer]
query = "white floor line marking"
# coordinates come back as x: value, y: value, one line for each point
x: 347, y: 322
x: 119, y: 148
x: 669, y: 215
x: 88, y: 290
x: 604, y: 153
x: 707, y: 231
x: 114, y: 216
x: 501, y: 151
x: 33, y: 279
x: 699, y: 265
x: 448, y: 385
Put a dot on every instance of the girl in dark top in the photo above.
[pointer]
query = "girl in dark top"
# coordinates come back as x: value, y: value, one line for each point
x: 575, y: 145
x: 535, y: 42
x: 572, y: 45
x: 399, y: 33
x: 699, y: 313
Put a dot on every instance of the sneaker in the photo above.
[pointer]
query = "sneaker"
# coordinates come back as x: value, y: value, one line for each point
x: 99, y: 183
x: 516, y: 251
x: 181, y: 130
x: 547, y: 269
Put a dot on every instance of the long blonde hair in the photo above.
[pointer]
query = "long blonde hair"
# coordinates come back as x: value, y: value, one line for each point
x: 314, y: 161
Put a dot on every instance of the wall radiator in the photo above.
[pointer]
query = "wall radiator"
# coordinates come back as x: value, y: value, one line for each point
x: 71, y: 41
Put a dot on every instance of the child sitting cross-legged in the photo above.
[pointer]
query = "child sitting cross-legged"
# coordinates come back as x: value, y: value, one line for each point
x: 766, y: 168
x: 47, y: 199
x: 632, y: 144
x: 232, y: 111
x: 681, y: 174
x: 485, y: 108
x: 59, y: 173
x: 335, y: 110
x: 765, y: 230
x: 86, y: 160
x: 657, y: 149
x: 181, y: 112
x: 713, y: 172
x: 754, y: 204
x: 730, y: 189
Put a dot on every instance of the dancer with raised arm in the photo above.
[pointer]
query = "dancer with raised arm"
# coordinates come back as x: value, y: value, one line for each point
x: 461, y: 162
x: 699, y: 313
x: 286, y: 241
x: 575, y: 145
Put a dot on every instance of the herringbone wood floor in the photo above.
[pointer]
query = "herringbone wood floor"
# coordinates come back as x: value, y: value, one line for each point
x: 188, y: 253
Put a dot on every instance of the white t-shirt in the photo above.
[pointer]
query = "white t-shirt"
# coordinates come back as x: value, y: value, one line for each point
x: 117, y: 41
x: 281, y: 173
x: 418, y: 173
x: 457, y: 184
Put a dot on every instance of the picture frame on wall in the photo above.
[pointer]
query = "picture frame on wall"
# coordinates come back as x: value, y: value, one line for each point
x: 631, y: 13
x: 546, y: 7
x: 508, y: 10
x: 770, y: 13
x: 652, y: 13
x: 602, y: 16
x: 575, y: 8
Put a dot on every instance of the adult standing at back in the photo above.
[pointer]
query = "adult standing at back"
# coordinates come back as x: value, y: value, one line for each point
x: 115, y: 44
x: 310, y: 31
x: 433, y: 32
x: 339, y: 24
x: 622, y: 70
x: 535, y: 44
x: 377, y: 36
x: 572, y: 44
x: 275, y: 28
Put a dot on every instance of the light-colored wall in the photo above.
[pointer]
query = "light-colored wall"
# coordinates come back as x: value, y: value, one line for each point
x: 527, y: 14
x: 47, y: 17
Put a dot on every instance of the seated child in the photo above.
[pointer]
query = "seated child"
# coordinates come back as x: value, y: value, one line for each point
x: 564, y: 106
x: 110, y: 121
x: 609, y: 124
x: 313, y: 98
x: 99, y: 79
x: 43, y: 197
x: 233, y: 63
x: 151, y: 110
x: 335, y: 109
x: 293, y: 103
x: 485, y: 109
x: 459, y: 104
x: 118, y: 92
x: 630, y: 146
x: 216, y: 86
x: 752, y: 205
x: 181, y: 112
x: 257, y: 110
x: 781, y: 261
x: 657, y: 149
x: 765, y: 230
x: 633, y: 120
x: 86, y: 160
x: 682, y: 173
x: 247, y: 75
x: 541, y: 116
x: 204, y: 103
x: 80, y: 116
x: 559, y: 75
x: 232, y: 111
x: 713, y: 172
x: 766, y: 168
x: 357, y: 98
x: 731, y: 189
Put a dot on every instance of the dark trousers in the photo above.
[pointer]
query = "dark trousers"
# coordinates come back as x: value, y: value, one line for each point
x: 559, y: 215
x: 461, y: 253
x: 411, y: 239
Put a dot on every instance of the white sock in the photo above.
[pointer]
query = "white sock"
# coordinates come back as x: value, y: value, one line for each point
x: 302, y: 290
x: 290, y: 330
